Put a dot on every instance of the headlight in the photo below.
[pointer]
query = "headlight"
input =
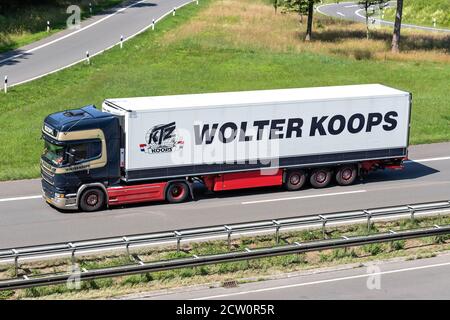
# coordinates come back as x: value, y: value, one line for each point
x: 59, y: 195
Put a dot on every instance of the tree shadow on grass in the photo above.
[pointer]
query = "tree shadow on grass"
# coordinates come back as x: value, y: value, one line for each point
x: 408, y: 42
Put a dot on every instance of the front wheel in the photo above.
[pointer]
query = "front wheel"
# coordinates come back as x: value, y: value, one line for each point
x: 92, y: 200
x: 177, y: 192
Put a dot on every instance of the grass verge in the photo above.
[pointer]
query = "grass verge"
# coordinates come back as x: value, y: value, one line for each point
x: 422, y: 12
x: 240, y: 271
x: 228, y: 45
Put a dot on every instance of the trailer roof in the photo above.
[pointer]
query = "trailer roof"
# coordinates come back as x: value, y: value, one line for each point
x: 254, y: 97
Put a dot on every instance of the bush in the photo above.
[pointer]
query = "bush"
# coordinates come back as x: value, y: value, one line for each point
x: 398, y: 245
x: 373, y: 248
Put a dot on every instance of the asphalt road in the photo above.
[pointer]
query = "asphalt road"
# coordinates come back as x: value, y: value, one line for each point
x: 352, y: 11
x: 25, y: 219
x: 95, y: 35
x: 385, y: 280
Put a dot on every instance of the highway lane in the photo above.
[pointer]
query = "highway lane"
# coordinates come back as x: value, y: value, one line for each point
x: 381, y: 280
x: 352, y: 11
x: 70, y: 46
x: 31, y: 221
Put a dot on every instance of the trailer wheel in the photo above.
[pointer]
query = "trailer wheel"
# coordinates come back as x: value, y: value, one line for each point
x: 92, y: 200
x: 346, y: 175
x: 295, y: 180
x: 320, y: 177
x: 177, y: 192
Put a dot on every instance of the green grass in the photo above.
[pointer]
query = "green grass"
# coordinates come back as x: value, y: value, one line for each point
x: 23, y: 26
x: 147, y: 65
x: 422, y: 12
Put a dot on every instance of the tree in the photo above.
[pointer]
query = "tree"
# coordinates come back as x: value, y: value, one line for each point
x: 275, y: 4
x: 397, y: 27
x: 367, y: 4
x: 310, y: 19
x: 303, y: 7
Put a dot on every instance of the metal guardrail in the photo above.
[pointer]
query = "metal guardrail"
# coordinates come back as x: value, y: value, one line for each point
x: 138, y: 240
x: 195, y: 261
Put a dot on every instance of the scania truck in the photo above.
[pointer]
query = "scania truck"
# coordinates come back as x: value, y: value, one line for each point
x: 156, y: 148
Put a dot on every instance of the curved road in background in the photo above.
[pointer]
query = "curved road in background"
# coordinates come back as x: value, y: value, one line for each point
x: 26, y: 219
x: 95, y: 35
x: 353, y: 11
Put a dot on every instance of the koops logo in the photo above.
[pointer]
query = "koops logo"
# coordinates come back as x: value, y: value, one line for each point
x: 161, y: 139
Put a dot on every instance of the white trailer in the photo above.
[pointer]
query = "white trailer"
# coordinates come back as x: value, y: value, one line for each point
x: 199, y: 134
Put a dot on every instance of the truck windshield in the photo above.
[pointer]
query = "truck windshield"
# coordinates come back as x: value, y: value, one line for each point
x: 54, y: 153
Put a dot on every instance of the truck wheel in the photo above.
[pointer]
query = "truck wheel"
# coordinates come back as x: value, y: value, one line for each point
x: 92, y: 200
x: 177, y: 192
x: 346, y: 175
x: 295, y: 180
x: 320, y: 177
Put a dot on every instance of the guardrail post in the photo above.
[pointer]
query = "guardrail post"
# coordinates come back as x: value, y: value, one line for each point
x: 369, y: 216
x: 277, y: 231
x: 16, y: 262
x: 229, y: 231
x: 411, y: 211
x: 178, y: 235
x: 127, y: 245
x: 5, y: 86
x: 324, y: 222
x: 71, y: 245
x: 345, y: 248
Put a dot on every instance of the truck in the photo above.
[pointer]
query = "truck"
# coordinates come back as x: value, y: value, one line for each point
x: 157, y: 148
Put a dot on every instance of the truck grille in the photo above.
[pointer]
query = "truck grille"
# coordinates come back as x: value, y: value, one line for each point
x: 46, y: 174
x: 48, y: 190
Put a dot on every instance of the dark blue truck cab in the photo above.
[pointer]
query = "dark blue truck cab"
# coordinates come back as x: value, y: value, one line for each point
x: 82, y: 150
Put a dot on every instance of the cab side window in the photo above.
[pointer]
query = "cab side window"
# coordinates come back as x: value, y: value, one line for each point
x: 86, y: 151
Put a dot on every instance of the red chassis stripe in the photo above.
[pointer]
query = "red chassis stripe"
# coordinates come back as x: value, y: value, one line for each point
x: 136, y: 193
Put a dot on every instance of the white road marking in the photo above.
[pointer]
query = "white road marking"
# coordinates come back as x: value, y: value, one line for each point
x: 340, y: 13
x: 72, y: 33
x: 20, y: 198
x: 304, y: 197
x: 352, y: 6
x: 429, y: 159
x: 324, y: 281
x: 99, y: 52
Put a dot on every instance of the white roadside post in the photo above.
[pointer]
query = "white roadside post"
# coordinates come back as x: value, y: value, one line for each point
x: 88, y: 60
x: 48, y: 26
x: 196, y: 1
x: 90, y: 7
x: 434, y: 22
x: 121, y: 41
x: 173, y: 12
x: 6, y: 84
x: 153, y: 24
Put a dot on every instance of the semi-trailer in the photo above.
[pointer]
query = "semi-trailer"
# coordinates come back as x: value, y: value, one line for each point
x: 155, y: 148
